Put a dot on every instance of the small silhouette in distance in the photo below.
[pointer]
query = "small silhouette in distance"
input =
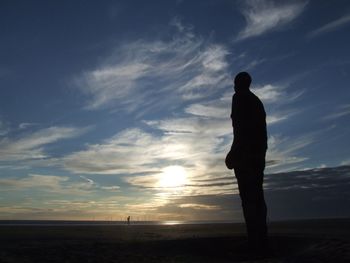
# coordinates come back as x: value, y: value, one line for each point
x: 247, y: 159
x: 128, y: 220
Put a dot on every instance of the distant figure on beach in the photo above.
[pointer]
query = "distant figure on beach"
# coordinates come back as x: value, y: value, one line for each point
x: 247, y: 158
x: 128, y: 220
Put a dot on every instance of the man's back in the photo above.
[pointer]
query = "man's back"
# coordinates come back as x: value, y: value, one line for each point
x: 249, y: 123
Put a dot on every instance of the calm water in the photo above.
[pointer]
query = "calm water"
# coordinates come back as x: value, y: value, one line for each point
x: 96, y: 223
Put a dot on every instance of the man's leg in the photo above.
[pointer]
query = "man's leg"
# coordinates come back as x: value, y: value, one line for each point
x: 262, y: 210
x: 250, y: 184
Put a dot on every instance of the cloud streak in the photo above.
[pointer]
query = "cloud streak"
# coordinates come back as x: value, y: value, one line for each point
x: 45, y: 183
x: 334, y: 25
x: 53, y: 184
x: 297, y: 194
x: 137, y: 73
x: 342, y: 111
x: 30, y: 146
x: 263, y: 16
x: 282, y: 152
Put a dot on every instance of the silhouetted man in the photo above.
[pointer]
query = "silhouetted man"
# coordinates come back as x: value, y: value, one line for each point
x: 247, y: 157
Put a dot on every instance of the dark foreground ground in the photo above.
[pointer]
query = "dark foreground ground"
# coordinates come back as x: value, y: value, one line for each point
x: 298, y: 241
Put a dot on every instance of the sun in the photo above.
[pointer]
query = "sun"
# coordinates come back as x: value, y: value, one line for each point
x: 173, y: 176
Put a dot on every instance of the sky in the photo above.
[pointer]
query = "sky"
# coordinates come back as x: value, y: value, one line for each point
x: 117, y: 108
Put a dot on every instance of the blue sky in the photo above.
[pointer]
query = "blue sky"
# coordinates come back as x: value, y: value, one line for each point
x: 117, y: 108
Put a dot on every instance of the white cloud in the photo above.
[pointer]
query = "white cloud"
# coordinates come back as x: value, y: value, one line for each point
x: 147, y: 74
x: 46, y: 182
x: 112, y: 187
x: 265, y: 15
x: 53, y: 184
x: 176, y: 21
x: 138, y: 72
x: 194, y: 143
x: 25, y: 125
x: 194, y: 125
x: 197, y: 141
x: 199, y: 144
x: 277, y: 101
x: 269, y: 93
x: 31, y: 145
x: 313, y: 186
x: 125, y: 152
x: 90, y: 181
x: 134, y: 151
x: 334, y: 25
x: 283, y: 152
x: 200, y: 206
x: 215, y: 109
x: 342, y: 111
x: 345, y: 162
x: 273, y: 119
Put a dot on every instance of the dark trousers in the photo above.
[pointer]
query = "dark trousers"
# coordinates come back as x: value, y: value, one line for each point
x: 250, y: 184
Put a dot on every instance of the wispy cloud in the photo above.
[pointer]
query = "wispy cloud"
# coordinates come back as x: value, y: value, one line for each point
x: 30, y: 146
x: 26, y: 125
x: 264, y: 15
x: 53, y: 184
x: 283, y: 152
x: 345, y: 162
x: 200, y: 206
x: 112, y: 187
x: 269, y: 93
x: 138, y: 72
x: 198, y: 138
x: 341, y: 111
x: 125, y: 152
x: 276, y: 94
x: 198, y: 141
x: 276, y: 98
x: 278, y: 102
x: 334, y: 25
x: 213, y: 109
x: 135, y: 151
x: 95, y: 185
x: 45, y: 183
x: 139, y: 157
x: 90, y: 181
x: 296, y: 194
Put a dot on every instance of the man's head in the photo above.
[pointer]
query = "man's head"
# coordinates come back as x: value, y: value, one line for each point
x: 242, y: 81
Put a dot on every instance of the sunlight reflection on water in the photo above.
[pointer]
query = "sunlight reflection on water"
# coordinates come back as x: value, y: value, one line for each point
x: 172, y: 222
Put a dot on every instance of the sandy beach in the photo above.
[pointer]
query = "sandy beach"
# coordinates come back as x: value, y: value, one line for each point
x: 293, y: 241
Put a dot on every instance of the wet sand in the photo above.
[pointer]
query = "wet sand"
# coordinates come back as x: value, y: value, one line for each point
x: 293, y: 241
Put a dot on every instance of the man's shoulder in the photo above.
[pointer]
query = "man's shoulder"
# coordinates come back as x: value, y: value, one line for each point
x: 252, y: 94
x: 247, y: 97
x: 254, y: 97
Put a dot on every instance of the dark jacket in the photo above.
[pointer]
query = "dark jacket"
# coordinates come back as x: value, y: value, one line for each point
x: 249, y: 128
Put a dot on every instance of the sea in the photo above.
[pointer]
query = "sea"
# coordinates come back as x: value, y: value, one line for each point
x: 101, y: 222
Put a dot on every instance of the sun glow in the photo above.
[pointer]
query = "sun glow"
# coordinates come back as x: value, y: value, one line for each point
x: 173, y: 176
